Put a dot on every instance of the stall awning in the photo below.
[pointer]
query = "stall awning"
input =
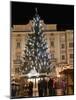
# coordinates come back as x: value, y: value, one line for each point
x: 67, y: 71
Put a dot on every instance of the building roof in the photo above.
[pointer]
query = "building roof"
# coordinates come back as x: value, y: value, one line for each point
x: 28, y: 27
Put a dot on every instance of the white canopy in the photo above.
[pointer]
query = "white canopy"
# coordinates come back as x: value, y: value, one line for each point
x: 33, y: 72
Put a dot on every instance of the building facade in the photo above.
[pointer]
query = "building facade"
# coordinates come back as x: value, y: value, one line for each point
x: 60, y: 45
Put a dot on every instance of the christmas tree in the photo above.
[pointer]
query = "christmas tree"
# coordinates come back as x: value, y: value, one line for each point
x: 35, y: 53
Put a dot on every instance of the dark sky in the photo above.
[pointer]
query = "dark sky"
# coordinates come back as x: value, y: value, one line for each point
x: 63, y: 15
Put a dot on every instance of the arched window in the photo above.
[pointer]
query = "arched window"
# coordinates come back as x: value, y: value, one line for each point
x: 18, y: 45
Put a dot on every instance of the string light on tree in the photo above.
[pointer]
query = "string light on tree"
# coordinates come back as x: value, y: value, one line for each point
x: 36, y: 49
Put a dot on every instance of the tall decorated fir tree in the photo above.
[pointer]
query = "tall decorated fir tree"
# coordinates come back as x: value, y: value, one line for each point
x: 35, y: 53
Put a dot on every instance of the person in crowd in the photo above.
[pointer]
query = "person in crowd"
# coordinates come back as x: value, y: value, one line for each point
x: 50, y: 87
x: 30, y: 88
x: 64, y: 87
x: 26, y: 88
x: 54, y: 91
x: 58, y: 87
x: 13, y: 90
x: 44, y: 87
x: 40, y: 92
x: 17, y: 89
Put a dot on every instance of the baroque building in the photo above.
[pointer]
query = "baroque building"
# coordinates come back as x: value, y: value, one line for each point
x: 60, y: 45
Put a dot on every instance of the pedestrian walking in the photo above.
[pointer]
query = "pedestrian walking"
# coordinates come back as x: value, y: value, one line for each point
x: 13, y: 90
x: 64, y: 87
x: 54, y: 90
x: 30, y: 88
x: 44, y: 87
x: 40, y: 92
x: 50, y: 87
x: 58, y: 87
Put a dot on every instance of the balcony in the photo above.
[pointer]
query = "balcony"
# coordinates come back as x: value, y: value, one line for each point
x: 17, y: 61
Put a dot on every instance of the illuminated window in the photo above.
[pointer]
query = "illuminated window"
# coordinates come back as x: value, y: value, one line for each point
x: 71, y: 44
x: 18, y: 35
x: 71, y: 56
x: 18, y: 57
x: 52, y: 34
x: 18, y: 45
x: 63, y: 57
x: 52, y: 55
x: 52, y: 44
x: 16, y: 70
x: 62, y: 45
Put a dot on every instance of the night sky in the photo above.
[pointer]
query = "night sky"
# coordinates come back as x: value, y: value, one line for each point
x: 63, y: 15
